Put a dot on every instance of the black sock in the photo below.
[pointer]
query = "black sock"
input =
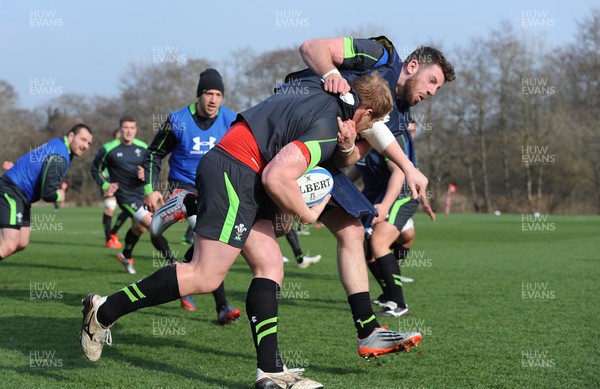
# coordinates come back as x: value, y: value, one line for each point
x: 374, y: 268
x: 120, y: 221
x: 261, y: 307
x: 189, y: 254
x: 292, y: 239
x: 106, y: 222
x: 191, y: 204
x: 158, y: 288
x: 362, y: 313
x: 131, y: 240
x: 189, y: 234
x: 400, y: 252
x: 161, y: 244
x: 390, y: 270
x: 219, y: 295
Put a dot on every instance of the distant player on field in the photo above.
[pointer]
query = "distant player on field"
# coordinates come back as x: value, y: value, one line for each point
x: 123, y: 158
x: 36, y: 175
x: 384, y: 186
x: 110, y: 204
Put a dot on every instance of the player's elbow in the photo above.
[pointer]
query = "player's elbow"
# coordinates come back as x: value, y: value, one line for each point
x: 306, y: 48
x: 49, y: 197
x: 271, y: 180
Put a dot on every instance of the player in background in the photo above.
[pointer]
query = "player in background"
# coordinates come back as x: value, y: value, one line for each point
x: 123, y: 159
x: 384, y: 186
x: 187, y: 135
x: 304, y: 261
x: 36, y: 175
x: 110, y: 204
x: 403, y: 244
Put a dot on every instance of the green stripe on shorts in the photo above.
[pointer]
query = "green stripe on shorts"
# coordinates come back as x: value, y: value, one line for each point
x: 234, y: 203
x: 129, y: 209
x: 13, y: 209
x: 396, y: 208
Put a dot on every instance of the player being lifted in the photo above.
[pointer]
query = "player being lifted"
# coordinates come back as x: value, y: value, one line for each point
x: 255, y: 164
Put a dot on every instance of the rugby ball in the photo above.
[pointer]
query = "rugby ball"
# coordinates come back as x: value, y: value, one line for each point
x: 315, y: 185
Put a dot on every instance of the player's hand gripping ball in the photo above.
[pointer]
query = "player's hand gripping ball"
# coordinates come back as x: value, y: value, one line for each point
x: 315, y: 185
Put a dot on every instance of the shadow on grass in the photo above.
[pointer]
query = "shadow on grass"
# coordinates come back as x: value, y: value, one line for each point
x: 26, y: 296
x: 291, y: 271
x: 70, y: 244
x: 50, y: 347
x: 10, y: 263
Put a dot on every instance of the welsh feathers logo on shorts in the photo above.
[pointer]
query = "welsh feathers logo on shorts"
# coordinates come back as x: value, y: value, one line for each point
x: 239, y: 230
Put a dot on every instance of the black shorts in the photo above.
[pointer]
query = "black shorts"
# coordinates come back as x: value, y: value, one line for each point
x: 402, y: 210
x: 230, y: 198
x: 15, y: 210
x: 129, y: 202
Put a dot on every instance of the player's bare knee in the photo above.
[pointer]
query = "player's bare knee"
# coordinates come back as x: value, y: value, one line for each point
x: 408, y: 237
x: 7, y: 248
x: 137, y: 228
x: 378, y: 240
x: 350, y: 234
x: 209, y: 286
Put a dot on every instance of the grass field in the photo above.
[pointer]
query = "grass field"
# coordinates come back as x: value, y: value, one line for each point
x: 502, y: 302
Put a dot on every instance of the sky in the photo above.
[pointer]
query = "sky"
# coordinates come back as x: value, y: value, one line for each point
x: 49, y: 48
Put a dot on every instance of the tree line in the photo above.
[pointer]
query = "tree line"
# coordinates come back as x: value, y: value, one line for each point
x: 517, y: 131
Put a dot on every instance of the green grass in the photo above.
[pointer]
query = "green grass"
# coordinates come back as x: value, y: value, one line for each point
x: 481, y: 328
